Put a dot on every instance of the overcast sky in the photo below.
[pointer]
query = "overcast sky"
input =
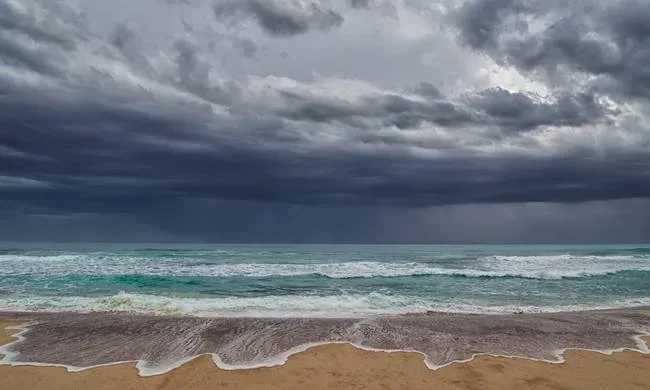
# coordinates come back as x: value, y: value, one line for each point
x: 325, y: 120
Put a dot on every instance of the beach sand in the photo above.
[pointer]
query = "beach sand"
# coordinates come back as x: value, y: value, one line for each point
x: 346, y: 367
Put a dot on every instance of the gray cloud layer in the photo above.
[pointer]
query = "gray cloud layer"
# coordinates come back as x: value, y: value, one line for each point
x: 279, y: 17
x: 96, y: 125
x: 609, y: 41
x: 510, y: 111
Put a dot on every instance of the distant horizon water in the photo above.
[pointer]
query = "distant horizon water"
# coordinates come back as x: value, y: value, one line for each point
x: 304, y: 280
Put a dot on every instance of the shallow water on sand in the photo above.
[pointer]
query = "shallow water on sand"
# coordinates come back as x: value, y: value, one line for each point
x: 161, y: 343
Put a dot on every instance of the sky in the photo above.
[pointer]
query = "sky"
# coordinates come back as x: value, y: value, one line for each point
x: 378, y: 121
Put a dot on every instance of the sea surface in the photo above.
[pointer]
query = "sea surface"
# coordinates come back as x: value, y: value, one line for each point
x: 321, y: 280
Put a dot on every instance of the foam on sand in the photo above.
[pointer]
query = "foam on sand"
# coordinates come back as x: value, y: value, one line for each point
x: 160, y: 344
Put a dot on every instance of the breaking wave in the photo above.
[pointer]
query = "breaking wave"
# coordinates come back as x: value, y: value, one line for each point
x: 285, y: 306
x: 530, y: 267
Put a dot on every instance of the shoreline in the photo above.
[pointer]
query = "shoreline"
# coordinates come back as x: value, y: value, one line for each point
x: 284, y: 358
x: 642, y: 339
x: 23, y: 322
x: 344, y: 365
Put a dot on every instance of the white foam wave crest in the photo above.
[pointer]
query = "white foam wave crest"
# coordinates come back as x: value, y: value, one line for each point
x: 561, y: 266
x: 531, y: 267
x: 39, y: 258
x: 284, y: 306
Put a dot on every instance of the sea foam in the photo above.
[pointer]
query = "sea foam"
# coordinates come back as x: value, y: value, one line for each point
x: 530, y: 267
x: 344, y: 305
x: 159, y: 344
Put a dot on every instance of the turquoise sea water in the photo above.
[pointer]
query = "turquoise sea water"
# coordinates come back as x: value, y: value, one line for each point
x: 321, y: 280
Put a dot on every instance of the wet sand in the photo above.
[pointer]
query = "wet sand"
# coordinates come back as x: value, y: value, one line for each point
x: 345, y: 367
x: 160, y: 343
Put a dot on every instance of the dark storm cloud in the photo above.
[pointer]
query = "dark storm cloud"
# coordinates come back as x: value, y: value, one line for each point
x: 246, y: 47
x: 279, y: 18
x: 512, y: 111
x: 123, y: 37
x: 55, y: 37
x: 607, y: 40
x: 64, y: 33
x: 90, y: 131
x: 193, y: 73
x: 515, y: 110
x: 427, y: 90
x: 360, y: 3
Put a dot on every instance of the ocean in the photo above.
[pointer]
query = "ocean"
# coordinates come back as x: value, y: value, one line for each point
x: 276, y: 280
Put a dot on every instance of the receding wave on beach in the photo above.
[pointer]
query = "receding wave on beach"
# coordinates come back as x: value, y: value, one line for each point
x: 160, y: 343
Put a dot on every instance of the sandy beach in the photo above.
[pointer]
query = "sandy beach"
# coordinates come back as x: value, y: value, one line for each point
x: 347, y: 367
